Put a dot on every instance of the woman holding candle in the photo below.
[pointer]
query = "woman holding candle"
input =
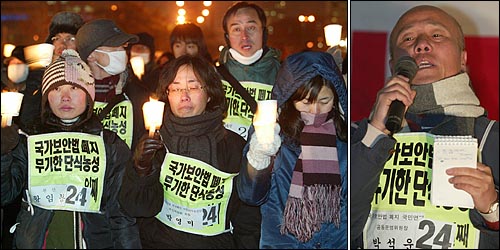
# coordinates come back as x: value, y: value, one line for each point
x: 59, y: 183
x: 300, y: 177
x: 183, y: 179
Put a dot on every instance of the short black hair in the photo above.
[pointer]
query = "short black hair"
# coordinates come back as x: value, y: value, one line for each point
x: 241, y: 5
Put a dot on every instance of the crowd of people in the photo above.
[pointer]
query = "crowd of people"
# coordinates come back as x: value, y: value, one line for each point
x: 79, y: 168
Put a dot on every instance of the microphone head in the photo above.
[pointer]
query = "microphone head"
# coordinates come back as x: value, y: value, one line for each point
x: 406, y: 66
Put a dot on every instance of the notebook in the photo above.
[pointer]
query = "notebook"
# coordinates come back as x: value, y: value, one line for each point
x: 451, y: 151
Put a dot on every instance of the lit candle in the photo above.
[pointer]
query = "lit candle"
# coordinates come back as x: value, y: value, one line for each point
x: 11, y: 104
x: 138, y: 66
x: 333, y: 33
x: 7, y: 49
x: 265, y: 120
x: 153, y: 115
x: 39, y: 55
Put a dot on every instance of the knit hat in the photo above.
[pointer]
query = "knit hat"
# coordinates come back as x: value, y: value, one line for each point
x: 68, y: 69
x: 101, y: 32
x: 64, y: 22
x: 147, y: 40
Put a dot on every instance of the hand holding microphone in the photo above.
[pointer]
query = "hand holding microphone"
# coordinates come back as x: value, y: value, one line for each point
x: 407, y: 67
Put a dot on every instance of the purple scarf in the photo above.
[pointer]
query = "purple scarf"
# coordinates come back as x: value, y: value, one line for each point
x: 314, y: 195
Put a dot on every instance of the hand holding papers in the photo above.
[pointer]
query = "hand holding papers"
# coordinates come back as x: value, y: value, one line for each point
x: 451, y: 151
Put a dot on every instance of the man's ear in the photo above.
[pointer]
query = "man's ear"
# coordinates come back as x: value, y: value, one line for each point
x: 226, y: 37
x: 463, y: 61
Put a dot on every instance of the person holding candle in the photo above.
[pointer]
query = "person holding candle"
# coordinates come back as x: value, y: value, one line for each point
x: 299, y: 178
x: 145, y: 49
x: 19, y: 77
x: 25, y: 79
x: 65, y: 222
x: 249, y: 59
x: 182, y: 184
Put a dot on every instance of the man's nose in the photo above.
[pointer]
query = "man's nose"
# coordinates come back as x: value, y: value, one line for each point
x: 422, y: 45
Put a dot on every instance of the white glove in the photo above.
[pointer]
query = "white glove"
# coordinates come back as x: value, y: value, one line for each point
x: 261, y: 149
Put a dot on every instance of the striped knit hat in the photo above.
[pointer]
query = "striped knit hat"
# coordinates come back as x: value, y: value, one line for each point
x: 68, y: 69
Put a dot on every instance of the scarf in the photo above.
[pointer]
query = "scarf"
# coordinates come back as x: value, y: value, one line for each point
x: 446, y: 107
x: 105, y: 88
x: 196, y: 136
x: 246, y: 60
x: 314, y: 195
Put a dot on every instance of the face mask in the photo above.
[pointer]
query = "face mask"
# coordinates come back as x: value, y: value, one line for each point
x: 145, y: 56
x: 246, y: 60
x: 17, y: 72
x: 117, y: 62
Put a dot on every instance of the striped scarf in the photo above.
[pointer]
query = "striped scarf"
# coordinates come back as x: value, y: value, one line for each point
x: 445, y: 107
x: 314, y: 195
x: 105, y: 88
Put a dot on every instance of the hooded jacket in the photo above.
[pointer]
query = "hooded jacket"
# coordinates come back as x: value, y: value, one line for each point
x: 270, y: 187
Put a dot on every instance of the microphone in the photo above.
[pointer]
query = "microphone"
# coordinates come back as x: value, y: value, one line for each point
x: 407, y: 67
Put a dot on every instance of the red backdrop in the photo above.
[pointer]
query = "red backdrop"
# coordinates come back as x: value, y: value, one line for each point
x: 368, y: 67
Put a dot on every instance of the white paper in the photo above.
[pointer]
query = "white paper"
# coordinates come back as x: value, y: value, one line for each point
x: 449, y: 152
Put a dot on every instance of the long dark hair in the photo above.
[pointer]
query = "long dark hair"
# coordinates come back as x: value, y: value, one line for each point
x: 289, y: 118
x: 204, y: 71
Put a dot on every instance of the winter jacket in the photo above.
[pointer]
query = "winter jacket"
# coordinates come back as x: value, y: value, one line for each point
x: 366, y: 170
x: 262, y: 71
x: 110, y: 228
x: 270, y: 187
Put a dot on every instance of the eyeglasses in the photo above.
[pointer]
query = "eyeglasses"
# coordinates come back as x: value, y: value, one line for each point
x: 70, y: 39
x: 190, y: 90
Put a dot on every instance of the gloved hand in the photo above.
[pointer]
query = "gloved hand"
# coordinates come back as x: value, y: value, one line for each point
x: 145, y: 152
x: 259, y: 154
x: 10, y: 138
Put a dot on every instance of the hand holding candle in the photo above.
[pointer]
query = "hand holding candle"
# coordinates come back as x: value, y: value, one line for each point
x: 153, y: 115
x: 11, y: 104
x: 265, y: 120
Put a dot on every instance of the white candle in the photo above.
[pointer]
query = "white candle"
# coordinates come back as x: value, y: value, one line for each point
x: 11, y: 104
x: 39, y: 55
x: 7, y: 49
x: 153, y: 115
x: 138, y: 66
x: 333, y: 33
x: 265, y: 120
